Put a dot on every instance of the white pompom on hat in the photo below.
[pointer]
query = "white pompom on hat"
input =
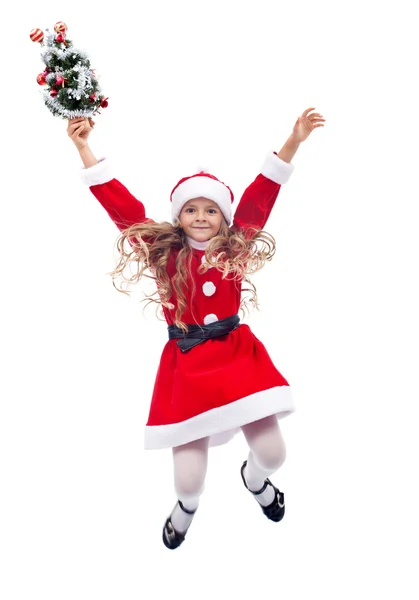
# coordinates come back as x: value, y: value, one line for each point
x: 204, y: 185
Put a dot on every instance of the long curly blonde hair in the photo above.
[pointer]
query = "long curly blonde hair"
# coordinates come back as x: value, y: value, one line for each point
x: 147, y: 246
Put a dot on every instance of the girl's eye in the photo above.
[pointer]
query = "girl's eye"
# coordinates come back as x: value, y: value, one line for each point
x: 211, y: 210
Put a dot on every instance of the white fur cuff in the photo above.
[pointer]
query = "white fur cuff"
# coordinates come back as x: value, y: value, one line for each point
x: 276, y: 169
x: 100, y: 173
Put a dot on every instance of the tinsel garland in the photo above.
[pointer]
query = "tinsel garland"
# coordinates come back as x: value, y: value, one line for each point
x: 58, y: 109
x: 47, y: 53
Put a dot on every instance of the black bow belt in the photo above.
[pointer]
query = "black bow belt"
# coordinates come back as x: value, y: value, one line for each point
x: 199, y: 333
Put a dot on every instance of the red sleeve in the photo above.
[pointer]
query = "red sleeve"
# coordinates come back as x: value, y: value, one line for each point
x: 122, y: 207
x: 258, y: 199
x: 256, y: 204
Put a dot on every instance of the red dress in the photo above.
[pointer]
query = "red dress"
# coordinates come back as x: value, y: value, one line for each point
x: 222, y: 383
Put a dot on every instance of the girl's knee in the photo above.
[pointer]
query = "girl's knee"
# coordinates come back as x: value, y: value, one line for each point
x: 190, y: 467
x: 266, y: 442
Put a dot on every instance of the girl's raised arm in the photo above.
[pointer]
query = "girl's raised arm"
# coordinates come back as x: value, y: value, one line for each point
x: 122, y: 207
x: 258, y: 199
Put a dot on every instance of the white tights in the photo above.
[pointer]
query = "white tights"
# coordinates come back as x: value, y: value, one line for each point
x: 267, y: 454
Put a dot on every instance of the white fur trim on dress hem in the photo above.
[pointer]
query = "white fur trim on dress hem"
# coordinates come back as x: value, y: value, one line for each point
x: 98, y: 174
x: 224, y: 420
x: 276, y: 169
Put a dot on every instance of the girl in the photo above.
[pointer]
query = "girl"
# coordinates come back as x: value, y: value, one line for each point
x: 215, y: 377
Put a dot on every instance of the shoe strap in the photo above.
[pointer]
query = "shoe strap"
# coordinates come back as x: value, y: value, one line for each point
x: 262, y: 489
x: 189, y: 512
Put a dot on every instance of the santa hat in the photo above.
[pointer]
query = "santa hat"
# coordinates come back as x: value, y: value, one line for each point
x: 202, y: 184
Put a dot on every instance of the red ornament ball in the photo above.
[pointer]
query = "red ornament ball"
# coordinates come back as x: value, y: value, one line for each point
x: 92, y: 98
x: 41, y: 79
x: 36, y: 35
x: 60, y: 27
x: 59, y: 80
x: 53, y: 93
x: 104, y: 103
x: 59, y: 38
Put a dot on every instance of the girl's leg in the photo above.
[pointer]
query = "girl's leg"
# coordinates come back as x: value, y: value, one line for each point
x: 190, y: 468
x: 267, y: 454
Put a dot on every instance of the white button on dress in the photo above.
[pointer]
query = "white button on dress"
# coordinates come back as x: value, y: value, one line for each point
x: 203, y: 261
x: 209, y: 288
x: 210, y: 319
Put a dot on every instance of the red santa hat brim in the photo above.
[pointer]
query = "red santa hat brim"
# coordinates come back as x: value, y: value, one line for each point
x: 202, y: 186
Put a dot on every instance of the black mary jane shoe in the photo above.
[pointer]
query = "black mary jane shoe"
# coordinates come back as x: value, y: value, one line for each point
x: 274, y: 511
x: 172, y: 539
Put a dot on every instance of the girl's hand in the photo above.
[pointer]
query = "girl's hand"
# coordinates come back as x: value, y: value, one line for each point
x: 79, y: 130
x: 305, y: 125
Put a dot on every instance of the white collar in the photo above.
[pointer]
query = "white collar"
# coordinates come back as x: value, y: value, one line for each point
x: 197, y: 245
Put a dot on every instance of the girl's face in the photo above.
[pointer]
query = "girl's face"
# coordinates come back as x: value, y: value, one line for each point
x: 201, y: 219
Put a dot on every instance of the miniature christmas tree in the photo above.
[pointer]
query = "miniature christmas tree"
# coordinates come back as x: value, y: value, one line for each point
x: 71, y: 88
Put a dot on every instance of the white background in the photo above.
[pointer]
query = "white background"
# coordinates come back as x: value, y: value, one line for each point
x: 219, y: 84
